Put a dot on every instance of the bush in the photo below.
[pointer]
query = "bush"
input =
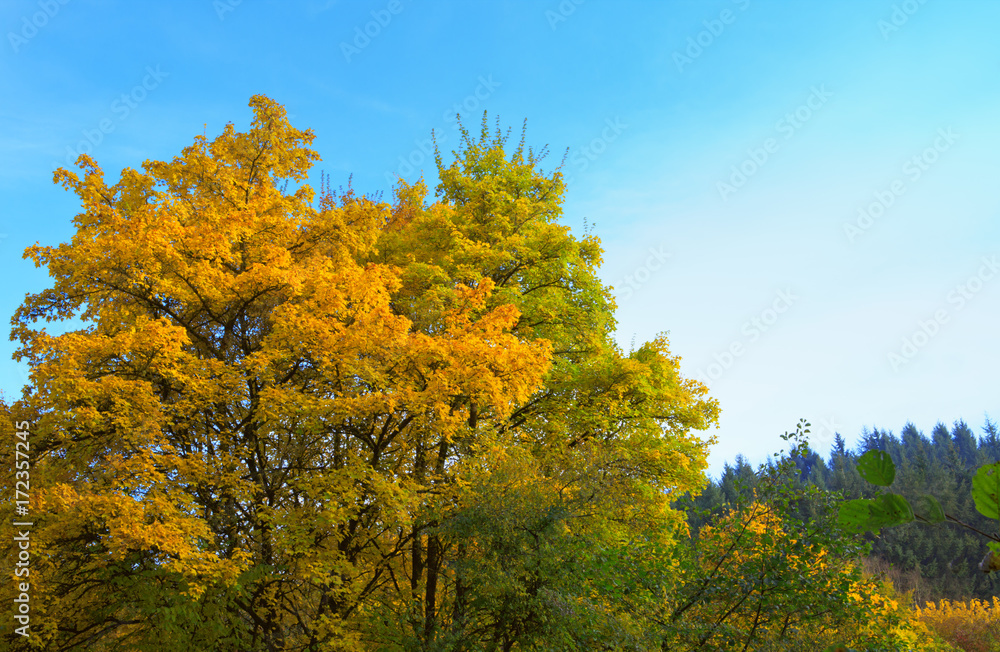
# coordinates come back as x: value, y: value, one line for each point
x: 973, y: 626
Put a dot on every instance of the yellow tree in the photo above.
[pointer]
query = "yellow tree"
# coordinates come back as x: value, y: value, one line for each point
x: 582, y: 470
x: 284, y: 418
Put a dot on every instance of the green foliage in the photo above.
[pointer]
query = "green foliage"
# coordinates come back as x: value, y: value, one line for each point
x: 986, y: 490
x: 877, y: 468
x: 770, y: 569
x: 932, y: 474
x: 929, y: 509
x: 889, y: 510
x: 874, y: 514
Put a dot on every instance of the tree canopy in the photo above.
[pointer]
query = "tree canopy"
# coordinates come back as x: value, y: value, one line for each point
x: 308, y: 421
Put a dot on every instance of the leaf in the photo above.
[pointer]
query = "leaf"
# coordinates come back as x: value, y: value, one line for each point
x: 930, y: 509
x: 877, y: 468
x: 990, y: 563
x: 885, y: 511
x: 986, y: 490
x: 856, y: 514
x: 892, y: 509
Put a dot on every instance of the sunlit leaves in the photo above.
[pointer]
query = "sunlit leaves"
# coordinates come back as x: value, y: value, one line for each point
x: 286, y: 419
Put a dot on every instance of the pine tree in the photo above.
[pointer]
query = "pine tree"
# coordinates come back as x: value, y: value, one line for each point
x: 839, y: 446
x: 989, y: 443
x: 965, y: 443
x: 941, y: 443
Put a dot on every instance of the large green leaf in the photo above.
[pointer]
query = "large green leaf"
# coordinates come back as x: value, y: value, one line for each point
x: 986, y: 490
x: 892, y: 509
x: 885, y: 511
x: 929, y: 509
x: 856, y: 514
x: 877, y: 468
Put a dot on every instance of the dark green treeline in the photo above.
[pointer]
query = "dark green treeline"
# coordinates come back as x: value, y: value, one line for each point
x: 934, y: 562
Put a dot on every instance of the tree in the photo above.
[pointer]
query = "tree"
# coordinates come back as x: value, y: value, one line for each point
x: 916, y: 447
x: 989, y: 443
x: 760, y: 576
x: 965, y: 443
x: 839, y: 447
x: 289, y: 426
x: 942, y: 444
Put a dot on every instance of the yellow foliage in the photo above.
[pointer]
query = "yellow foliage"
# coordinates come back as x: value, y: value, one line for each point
x: 770, y: 589
x: 277, y: 407
x: 973, y: 626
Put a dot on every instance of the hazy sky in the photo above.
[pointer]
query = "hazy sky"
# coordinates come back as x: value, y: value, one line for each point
x: 804, y: 195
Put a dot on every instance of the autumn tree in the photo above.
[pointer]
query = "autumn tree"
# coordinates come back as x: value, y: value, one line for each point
x: 301, y: 423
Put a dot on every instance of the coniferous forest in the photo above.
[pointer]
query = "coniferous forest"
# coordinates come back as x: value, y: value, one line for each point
x: 935, y: 563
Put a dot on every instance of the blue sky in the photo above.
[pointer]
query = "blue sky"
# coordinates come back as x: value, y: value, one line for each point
x: 803, y: 194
